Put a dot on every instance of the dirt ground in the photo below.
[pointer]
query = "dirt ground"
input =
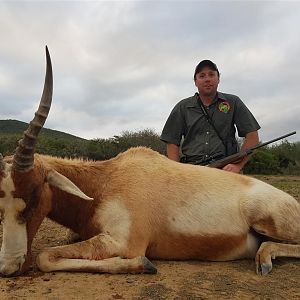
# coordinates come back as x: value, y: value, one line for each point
x: 174, y: 280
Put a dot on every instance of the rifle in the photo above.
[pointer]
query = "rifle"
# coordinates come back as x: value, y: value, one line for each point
x: 235, y: 158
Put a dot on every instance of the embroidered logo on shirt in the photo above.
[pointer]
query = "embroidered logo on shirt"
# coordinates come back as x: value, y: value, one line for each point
x: 224, y: 107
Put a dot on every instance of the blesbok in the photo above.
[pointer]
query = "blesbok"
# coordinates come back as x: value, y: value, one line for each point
x: 139, y: 204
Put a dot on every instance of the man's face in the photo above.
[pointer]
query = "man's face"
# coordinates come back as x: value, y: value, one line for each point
x: 207, y: 81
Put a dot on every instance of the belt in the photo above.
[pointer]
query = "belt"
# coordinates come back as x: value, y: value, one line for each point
x: 198, y: 160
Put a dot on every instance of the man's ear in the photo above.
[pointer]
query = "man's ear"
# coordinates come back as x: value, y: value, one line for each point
x: 63, y: 183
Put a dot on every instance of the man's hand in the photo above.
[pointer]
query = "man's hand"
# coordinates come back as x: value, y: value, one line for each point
x: 235, y: 168
x: 251, y: 140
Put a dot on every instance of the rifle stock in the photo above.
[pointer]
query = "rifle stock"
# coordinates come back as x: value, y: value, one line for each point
x: 235, y: 158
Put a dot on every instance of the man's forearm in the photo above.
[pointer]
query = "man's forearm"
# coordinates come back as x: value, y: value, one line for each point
x: 173, y: 152
x: 251, y: 140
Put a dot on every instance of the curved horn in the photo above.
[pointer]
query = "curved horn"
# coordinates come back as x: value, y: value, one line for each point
x: 24, y: 156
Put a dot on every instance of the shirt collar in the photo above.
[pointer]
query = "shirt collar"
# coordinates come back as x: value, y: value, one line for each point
x: 195, y: 101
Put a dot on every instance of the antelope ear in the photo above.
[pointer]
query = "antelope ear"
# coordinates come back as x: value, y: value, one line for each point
x: 63, y: 183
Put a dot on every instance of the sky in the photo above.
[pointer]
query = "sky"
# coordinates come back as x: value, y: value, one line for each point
x: 123, y: 65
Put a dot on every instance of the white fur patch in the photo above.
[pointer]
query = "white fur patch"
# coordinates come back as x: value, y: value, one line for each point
x: 199, y: 214
x: 111, y: 265
x: 271, y: 197
x: 252, y: 246
x: 114, y: 219
x: 14, y: 244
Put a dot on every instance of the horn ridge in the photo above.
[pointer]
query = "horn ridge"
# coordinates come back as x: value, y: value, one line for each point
x: 24, y: 155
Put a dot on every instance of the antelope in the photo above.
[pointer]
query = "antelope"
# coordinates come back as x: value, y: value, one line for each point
x: 136, y: 206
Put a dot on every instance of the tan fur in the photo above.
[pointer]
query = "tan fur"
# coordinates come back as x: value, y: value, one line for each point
x: 146, y: 204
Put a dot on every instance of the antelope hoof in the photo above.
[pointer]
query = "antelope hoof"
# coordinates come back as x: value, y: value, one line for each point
x: 263, y: 268
x: 149, y: 268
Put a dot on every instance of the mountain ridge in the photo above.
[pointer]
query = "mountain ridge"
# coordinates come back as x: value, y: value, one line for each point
x: 16, y: 127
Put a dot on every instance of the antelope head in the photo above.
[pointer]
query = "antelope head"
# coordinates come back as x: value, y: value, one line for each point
x: 20, y: 185
x: 25, y: 190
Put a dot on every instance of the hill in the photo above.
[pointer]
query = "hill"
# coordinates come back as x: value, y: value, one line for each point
x: 15, y: 127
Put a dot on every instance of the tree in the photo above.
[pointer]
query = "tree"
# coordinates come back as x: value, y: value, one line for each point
x: 263, y: 162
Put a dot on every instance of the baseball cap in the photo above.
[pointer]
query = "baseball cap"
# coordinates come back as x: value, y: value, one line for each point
x: 205, y: 63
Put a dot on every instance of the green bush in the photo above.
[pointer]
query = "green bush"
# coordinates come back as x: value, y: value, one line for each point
x: 263, y: 162
x: 108, y: 148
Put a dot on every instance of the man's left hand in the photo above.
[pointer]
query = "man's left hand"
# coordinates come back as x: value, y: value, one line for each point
x: 235, y: 168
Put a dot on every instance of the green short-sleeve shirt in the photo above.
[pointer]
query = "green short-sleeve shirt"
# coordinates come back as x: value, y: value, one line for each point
x: 188, y: 121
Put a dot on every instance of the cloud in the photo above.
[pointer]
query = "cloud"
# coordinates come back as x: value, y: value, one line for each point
x: 123, y: 65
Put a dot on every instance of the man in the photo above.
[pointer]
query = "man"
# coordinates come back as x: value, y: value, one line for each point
x: 203, y: 126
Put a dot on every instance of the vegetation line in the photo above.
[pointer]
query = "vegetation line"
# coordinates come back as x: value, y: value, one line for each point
x: 283, y: 158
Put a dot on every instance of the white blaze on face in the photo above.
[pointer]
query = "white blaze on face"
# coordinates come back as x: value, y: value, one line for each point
x: 14, y: 243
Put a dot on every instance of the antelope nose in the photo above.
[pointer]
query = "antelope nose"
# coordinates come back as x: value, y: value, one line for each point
x: 8, y: 271
x: 10, y: 268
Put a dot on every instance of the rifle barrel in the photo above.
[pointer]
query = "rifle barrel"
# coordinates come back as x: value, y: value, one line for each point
x: 274, y: 140
x: 240, y: 155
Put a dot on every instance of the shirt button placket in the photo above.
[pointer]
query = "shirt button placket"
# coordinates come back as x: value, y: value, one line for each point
x: 207, y: 143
